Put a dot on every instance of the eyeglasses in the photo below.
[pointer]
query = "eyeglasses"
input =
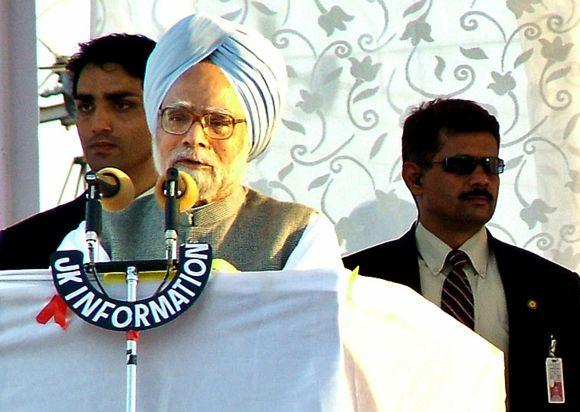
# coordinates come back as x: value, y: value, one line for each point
x: 215, y: 125
x: 465, y: 165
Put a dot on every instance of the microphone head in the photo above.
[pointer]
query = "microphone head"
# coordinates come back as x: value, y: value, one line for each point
x: 188, y: 191
x: 125, y: 193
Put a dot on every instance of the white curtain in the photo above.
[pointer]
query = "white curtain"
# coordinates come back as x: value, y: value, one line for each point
x: 357, y: 66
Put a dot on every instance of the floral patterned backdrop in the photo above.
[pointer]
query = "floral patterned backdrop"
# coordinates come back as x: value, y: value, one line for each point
x: 357, y: 66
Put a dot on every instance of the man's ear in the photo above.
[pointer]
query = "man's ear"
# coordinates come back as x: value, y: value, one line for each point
x: 413, y: 175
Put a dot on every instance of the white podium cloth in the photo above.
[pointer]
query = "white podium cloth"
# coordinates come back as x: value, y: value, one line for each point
x: 269, y: 341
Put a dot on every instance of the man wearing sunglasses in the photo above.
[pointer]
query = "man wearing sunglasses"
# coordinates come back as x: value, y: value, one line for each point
x: 517, y: 300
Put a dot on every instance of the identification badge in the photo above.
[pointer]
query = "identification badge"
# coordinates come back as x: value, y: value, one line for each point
x: 555, y: 380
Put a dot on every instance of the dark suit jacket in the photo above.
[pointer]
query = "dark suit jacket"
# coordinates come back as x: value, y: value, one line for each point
x: 29, y: 243
x: 526, y: 277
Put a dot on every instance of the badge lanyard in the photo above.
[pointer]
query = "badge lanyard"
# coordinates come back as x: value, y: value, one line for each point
x: 555, y: 375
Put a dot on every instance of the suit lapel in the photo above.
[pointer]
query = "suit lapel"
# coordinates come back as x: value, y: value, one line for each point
x: 407, y: 263
x: 508, y: 271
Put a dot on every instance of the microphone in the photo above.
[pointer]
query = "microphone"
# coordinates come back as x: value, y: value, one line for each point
x: 178, y: 185
x: 176, y: 191
x: 110, y: 188
x: 116, y: 188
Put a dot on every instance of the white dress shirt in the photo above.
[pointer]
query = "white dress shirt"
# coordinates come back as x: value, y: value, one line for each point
x: 491, y: 318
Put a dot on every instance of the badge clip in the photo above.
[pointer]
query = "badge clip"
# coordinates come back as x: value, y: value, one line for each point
x: 555, y: 375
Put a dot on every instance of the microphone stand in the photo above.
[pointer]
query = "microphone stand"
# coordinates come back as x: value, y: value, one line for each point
x: 171, y: 192
x: 93, y: 212
x: 132, y: 276
x: 93, y: 216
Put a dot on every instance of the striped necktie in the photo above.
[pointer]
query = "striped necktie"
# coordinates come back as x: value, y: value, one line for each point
x: 456, y: 296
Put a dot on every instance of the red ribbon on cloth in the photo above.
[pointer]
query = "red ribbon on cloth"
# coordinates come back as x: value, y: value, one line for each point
x: 133, y: 335
x: 56, y: 308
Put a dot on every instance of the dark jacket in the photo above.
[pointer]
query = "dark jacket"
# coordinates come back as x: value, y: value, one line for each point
x: 29, y: 243
x: 527, y: 279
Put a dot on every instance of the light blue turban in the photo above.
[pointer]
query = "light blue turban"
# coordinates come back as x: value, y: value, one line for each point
x: 251, y: 63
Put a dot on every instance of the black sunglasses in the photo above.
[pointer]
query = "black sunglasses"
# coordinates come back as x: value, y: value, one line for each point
x: 465, y: 165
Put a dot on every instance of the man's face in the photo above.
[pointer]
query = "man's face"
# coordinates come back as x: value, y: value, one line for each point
x: 217, y: 166
x: 111, y: 120
x: 451, y: 202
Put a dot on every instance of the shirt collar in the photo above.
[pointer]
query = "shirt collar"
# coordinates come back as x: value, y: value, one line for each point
x: 434, y: 251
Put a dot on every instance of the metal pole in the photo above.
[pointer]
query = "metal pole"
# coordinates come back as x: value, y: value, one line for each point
x: 132, y: 336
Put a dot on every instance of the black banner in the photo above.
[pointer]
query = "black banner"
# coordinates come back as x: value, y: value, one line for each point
x: 94, y: 307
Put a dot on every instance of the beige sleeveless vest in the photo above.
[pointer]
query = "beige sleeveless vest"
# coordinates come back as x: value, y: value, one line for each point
x: 249, y: 230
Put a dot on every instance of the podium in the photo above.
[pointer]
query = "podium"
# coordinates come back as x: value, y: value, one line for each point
x: 262, y: 341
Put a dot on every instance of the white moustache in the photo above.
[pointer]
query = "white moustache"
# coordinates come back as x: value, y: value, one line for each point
x: 190, y: 155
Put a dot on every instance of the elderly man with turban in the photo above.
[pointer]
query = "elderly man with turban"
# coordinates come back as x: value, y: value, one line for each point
x: 213, y: 95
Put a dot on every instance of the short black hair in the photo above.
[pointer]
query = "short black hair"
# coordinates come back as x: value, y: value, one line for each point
x: 424, y: 126
x: 131, y: 51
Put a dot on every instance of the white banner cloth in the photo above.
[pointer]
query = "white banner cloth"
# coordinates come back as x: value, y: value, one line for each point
x: 269, y: 341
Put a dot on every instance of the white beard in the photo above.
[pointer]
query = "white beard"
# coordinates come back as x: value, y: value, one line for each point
x: 213, y: 183
x: 209, y: 182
